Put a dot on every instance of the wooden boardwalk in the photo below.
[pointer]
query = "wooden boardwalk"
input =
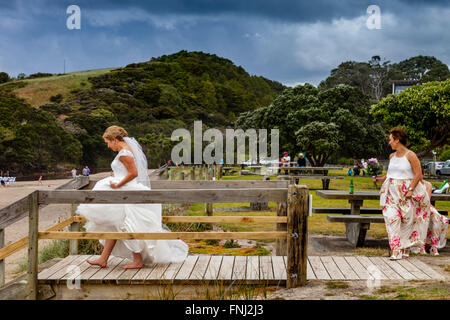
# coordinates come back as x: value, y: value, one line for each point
x: 200, y: 269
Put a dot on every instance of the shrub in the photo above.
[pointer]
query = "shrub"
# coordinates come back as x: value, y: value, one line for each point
x: 445, y: 155
x: 56, y: 98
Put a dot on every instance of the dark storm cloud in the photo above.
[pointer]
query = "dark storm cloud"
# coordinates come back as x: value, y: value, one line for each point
x: 288, y: 41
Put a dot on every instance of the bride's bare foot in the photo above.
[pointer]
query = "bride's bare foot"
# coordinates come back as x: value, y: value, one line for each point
x: 97, y: 262
x: 134, y: 265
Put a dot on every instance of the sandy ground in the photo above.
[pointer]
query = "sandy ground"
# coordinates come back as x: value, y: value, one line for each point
x: 48, y: 216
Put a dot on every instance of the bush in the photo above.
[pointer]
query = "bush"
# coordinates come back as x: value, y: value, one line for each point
x: 231, y: 244
x: 56, y: 98
x: 445, y: 155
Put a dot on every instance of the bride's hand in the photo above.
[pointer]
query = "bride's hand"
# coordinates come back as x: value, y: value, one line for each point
x: 113, y: 185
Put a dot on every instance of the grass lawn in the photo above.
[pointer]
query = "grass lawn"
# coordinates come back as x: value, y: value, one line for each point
x: 38, y: 91
x: 318, y: 223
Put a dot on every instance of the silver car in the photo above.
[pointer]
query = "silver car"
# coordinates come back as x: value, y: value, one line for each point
x: 445, y: 169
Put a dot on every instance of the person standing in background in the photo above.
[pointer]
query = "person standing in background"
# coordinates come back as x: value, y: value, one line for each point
x: 74, y: 173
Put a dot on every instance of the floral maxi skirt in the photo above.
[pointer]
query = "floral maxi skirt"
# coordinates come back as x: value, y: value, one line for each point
x: 407, y: 221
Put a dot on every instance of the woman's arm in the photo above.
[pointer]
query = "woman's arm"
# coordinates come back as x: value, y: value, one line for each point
x: 128, y: 162
x: 417, y: 170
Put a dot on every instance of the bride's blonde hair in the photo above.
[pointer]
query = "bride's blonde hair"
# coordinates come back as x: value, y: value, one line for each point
x: 115, y: 132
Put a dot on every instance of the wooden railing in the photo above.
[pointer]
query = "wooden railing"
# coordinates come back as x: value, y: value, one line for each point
x: 19, y: 210
x: 291, y: 219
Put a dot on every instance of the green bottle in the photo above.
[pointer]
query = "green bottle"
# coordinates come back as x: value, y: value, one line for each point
x: 351, y: 187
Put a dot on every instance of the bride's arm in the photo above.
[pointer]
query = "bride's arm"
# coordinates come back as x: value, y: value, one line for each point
x: 128, y: 162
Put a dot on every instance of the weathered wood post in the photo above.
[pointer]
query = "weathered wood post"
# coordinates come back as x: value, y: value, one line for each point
x: 193, y: 173
x: 181, y: 175
x: 297, y: 235
x: 2, y: 262
x: 33, y: 245
x: 74, y: 227
x: 208, y: 206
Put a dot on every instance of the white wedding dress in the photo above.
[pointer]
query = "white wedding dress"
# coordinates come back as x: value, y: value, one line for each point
x: 131, y: 218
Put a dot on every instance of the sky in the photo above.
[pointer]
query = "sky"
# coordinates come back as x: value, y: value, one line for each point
x: 293, y: 42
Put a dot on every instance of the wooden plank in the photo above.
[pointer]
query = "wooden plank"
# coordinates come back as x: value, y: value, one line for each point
x: 239, y: 268
x: 187, y: 268
x: 225, y: 219
x: 158, y: 271
x: 319, y: 269
x: 63, y: 270
x: 297, y: 239
x: 117, y: 271
x: 33, y: 254
x: 218, y: 184
x: 385, y: 269
x: 355, y: 218
x: 213, y: 268
x: 142, y: 274
x: 103, y: 272
x: 252, y: 272
x: 2, y: 262
x: 126, y: 276
x: 405, y: 274
x: 172, y: 271
x: 413, y: 269
x: 369, y: 266
x: 265, y: 268
x: 281, y: 244
x: 357, y: 267
x: 279, y: 268
x: 433, y: 274
x: 332, y: 268
x: 200, y: 268
x: 162, y: 235
x: 310, y: 272
x: 89, y: 272
x: 164, y: 196
x: 226, y: 268
x: 345, y: 268
x: 44, y: 274
x: 73, y: 273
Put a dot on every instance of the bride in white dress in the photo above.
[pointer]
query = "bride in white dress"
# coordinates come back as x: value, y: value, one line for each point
x: 130, y: 173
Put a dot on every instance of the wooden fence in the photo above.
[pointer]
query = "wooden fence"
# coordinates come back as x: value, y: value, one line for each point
x: 291, y: 219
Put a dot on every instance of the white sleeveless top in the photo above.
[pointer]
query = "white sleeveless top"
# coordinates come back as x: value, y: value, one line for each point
x: 400, y: 168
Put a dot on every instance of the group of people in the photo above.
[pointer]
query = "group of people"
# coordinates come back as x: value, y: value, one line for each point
x: 286, y: 160
x: 411, y: 220
x: 6, y: 181
x: 85, y: 172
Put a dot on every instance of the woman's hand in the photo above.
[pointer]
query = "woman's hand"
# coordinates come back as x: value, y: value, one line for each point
x: 408, y: 195
x: 113, y: 185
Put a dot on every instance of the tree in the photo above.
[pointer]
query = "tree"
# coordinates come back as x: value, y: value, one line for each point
x: 4, y: 77
x: 424, y: 110
x: 417, y: 68
x: 378, y: 74
x: 321, y: 122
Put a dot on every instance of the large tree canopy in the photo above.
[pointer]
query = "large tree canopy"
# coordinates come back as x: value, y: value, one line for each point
x: 424, y: 110
x: 321, y: 122
x: 374, y: 77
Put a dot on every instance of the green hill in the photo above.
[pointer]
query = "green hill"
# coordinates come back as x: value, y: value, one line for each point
x: 59, y: 120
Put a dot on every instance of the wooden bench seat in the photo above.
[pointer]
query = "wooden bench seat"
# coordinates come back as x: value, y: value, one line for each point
x: 357, y: 236
x: 347, y: 211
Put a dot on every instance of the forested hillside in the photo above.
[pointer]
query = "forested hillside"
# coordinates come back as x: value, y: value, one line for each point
x: 59, y: 120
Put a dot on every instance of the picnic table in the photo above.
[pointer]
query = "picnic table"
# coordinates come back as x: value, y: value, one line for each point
x: 356, y: 226
x: 319, y: 173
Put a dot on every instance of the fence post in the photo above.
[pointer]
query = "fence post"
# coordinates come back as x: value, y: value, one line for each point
x: 2, y: 262
x: 181, y: 175
x: 281, y: 247
x: 33, y: 228
x: 208, y: 206
x: 193, y: 172
x: 297, y: 235
x: 74, y: 227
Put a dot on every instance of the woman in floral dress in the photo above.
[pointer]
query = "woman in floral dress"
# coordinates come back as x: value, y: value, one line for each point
x: 437, y: 229
x: 403, y: 197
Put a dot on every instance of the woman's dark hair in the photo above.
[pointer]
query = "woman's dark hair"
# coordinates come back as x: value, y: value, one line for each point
x: 400, y: 134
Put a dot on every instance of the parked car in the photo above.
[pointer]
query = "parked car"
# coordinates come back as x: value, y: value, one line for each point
x: 444, y: 169
x: 428, y: 166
